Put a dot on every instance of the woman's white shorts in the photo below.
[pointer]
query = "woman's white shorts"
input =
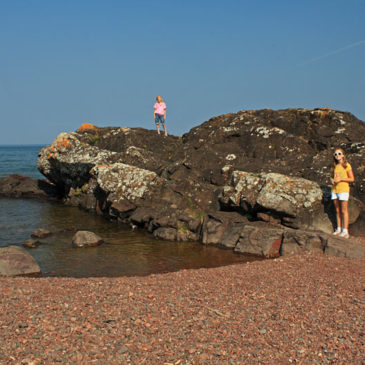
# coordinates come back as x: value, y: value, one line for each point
x: 340, y: 196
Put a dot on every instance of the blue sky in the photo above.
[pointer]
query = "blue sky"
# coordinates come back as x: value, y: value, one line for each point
x: 64, y: 63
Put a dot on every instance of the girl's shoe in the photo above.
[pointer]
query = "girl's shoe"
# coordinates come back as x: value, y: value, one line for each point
x: 344, y: 235
x: 336, y: 233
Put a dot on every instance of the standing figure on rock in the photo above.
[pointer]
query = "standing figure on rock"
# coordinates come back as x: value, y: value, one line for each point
x: 160, y: 114
x: 342, y: 175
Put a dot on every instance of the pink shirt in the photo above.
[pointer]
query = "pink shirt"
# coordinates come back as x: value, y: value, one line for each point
x: 159, y: 108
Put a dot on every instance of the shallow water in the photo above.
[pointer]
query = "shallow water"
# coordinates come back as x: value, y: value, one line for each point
x: 125, y: 252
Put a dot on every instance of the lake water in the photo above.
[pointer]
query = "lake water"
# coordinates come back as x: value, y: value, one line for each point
x: 125, y: 253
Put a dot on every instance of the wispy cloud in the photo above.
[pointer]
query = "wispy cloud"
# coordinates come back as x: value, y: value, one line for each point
x: 352, y: 45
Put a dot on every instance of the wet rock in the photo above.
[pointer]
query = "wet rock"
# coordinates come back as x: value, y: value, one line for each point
x: 15, y: 261
x: 86, y: 239
x: 260, y: 241
x: 31, y: 243
x: 41, y: 233
x: 121, y: 209
x: 142, y: 216
x: 169, y: 234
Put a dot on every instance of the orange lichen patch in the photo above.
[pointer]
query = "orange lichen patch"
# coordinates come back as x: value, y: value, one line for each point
x: 104, y: 165
x: 86, y: 126
x: 51, y: 154
x: 64, y: 142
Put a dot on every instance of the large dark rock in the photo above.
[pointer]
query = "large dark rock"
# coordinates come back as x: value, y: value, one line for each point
x: 137, y: 177
x: 15, y: 261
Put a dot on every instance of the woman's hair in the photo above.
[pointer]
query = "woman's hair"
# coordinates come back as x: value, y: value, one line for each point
x: 335, y: 162
x: 159, y: 97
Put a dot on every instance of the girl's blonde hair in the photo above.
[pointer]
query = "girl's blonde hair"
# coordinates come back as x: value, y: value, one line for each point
x: 159, y: 97
x: 335, y: 162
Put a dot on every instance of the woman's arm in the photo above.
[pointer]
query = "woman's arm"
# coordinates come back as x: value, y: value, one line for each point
x: 350, y: 178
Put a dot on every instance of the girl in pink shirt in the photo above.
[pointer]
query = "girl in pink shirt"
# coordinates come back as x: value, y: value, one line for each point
x: 159, y: 114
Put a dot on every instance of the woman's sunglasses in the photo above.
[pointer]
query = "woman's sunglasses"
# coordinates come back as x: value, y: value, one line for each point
x: 337, y: 154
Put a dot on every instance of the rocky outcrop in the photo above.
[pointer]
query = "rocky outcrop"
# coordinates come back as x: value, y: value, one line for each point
x: 266, y: 165
x: 15, y: 261
x: 17, y: 186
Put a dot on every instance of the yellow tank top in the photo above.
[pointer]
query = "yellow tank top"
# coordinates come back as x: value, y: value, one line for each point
x: 341, y: 173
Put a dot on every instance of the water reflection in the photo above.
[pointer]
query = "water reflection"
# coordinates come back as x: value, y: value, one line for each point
x: 125, y: 252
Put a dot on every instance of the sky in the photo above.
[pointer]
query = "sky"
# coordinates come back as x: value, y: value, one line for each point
x: 64, y: 63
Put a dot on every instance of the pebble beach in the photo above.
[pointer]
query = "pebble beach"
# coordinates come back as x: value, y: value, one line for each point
x: 305, y: 309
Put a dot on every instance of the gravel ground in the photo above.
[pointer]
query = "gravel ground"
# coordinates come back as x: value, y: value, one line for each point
x: 298, y: 309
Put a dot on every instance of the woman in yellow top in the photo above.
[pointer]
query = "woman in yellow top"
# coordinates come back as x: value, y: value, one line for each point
x: 342, y: 175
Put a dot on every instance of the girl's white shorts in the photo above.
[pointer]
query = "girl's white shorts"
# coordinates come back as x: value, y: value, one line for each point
x: 340, y: 196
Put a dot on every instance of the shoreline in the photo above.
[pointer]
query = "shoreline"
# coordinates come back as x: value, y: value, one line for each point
x: 299, y: 308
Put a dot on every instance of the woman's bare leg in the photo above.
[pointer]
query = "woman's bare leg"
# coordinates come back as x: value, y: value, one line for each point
x: 345, y: 214
x: 338, y: 213
x: 164, y: 128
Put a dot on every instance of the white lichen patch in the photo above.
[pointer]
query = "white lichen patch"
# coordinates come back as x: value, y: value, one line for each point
x: 229, y: 129
x: 340, y: 130
x: 231, y: 157
x: 127, y: 181
x: 226, y: 168
x: 266, y: 132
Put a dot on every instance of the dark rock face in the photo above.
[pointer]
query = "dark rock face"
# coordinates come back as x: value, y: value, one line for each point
x: 15, y: 261
x: 265, y: 165
x: 86, y: 239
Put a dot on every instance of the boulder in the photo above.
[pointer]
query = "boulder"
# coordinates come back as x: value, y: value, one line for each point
x: 86, y: 239
x: 223, y: 229
x: 125, y: 181
x: 358, y: 227
x: 41, y: 233
x: 15, y: 261
x: 258, y: 241
x: 298, y: 202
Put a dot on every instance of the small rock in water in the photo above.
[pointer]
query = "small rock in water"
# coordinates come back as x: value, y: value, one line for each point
x: 31, y: 243
x: 41, y: 233
x: 86, y: 239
